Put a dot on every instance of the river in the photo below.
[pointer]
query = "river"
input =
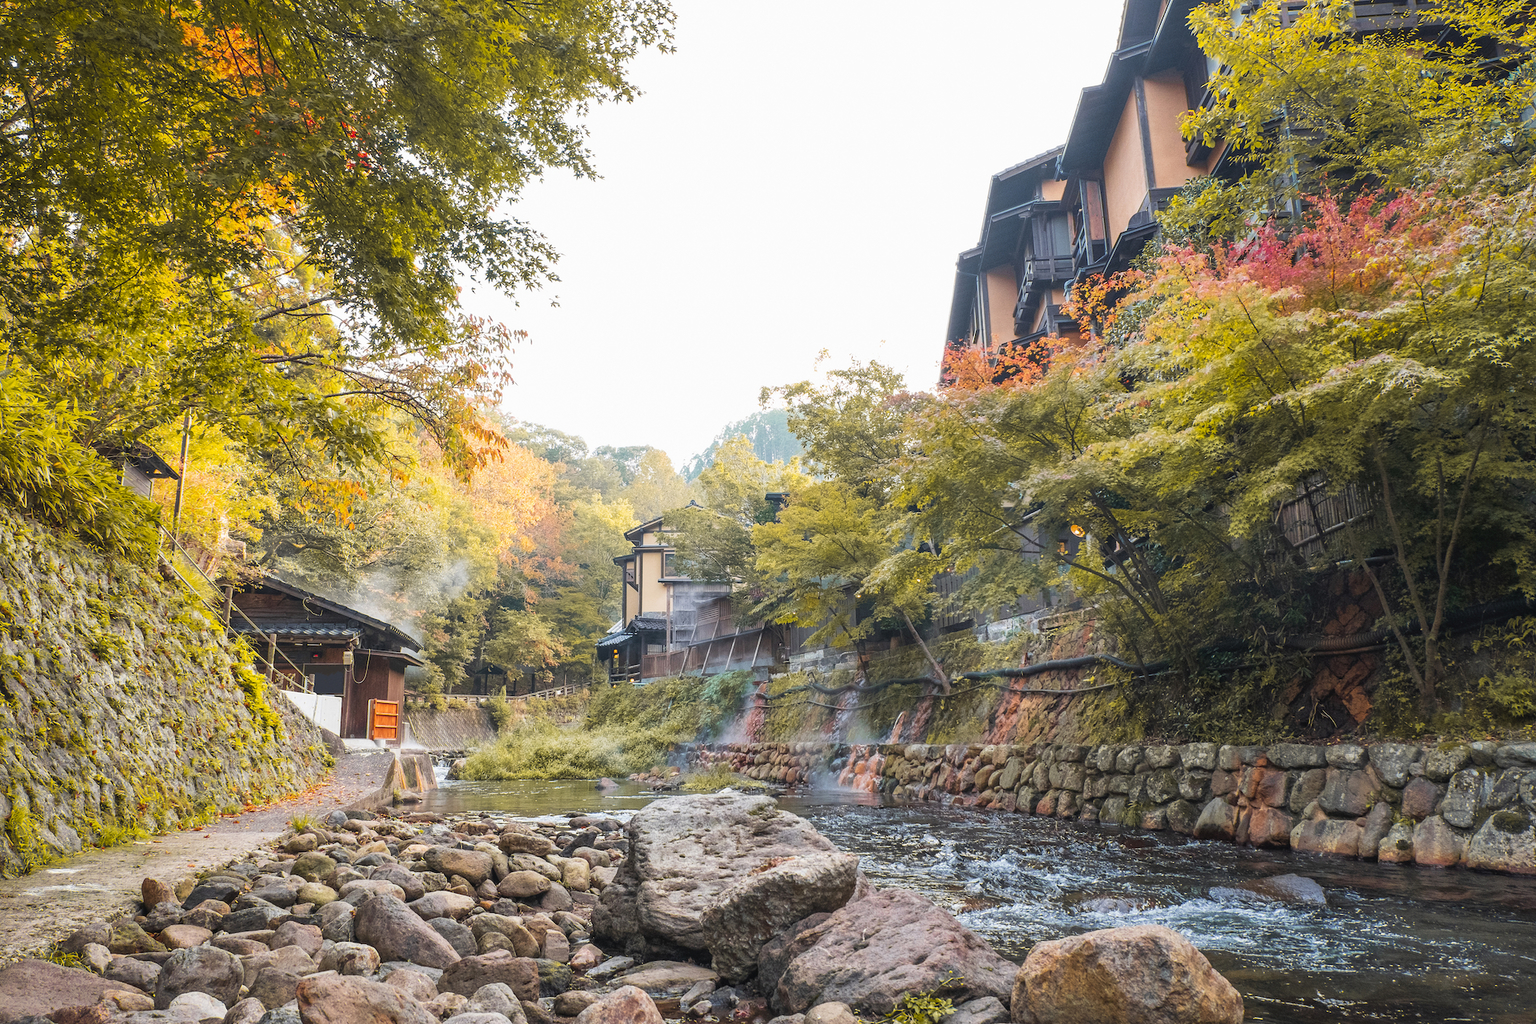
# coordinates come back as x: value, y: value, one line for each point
x: 1394, y: 943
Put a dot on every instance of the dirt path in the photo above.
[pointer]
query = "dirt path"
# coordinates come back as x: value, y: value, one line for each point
x: 43, y: 907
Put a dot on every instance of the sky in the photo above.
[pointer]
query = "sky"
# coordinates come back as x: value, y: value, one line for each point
x: 798, y: 176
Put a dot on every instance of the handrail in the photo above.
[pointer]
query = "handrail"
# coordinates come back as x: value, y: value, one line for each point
x: 223, y: 614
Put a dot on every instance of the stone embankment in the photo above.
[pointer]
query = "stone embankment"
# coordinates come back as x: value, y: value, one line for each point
x: 709, y: 908
x: 123, y: 707
x: 1471, y: 804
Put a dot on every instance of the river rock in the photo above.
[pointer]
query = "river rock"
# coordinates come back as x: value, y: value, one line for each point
x: 496, y: 997
x: 313, y: 867
x: 1217, y: 821
x: 389, y: 926
x: 184, y: 936
x: 1144, y: 974
x: 1420, y: 798
x: 1296, y: 755
x: 684, y: 852
x: 201, y: 969
x: 1328, y: 835
x: 1397, y: 847
x: 627, y: 1005
x: 443, y: 904
x: 127, y: 937
x: 1516, y: 755
x: 459, y: 936
x: 1347, y: 792
x: 1287, y: 889
x: 274, y: 986
x: 409, y: 882
x: 342, y: 999
x: 472, y: 865
x: 570, y: 1004
x: 466, y: 976
x: 350, y: 958
x: 1441, y: 764
x: 1269, y: 826
x: 1506, y: 842
x: 141, y: 974
x: 1462, y: 798
x: 754, y: 909
x: 198, y: 1006
x: 1392, y: 761
x: 874, y: 950
x: 1437, y: 844
x: 523, y: 885
x: 37, y: 987
x: 668, y: 977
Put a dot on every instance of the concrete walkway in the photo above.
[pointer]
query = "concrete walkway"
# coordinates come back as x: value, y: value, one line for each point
x: 39, y: 909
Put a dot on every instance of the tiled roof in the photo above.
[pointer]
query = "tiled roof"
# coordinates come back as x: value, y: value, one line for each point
x: 324, y: 631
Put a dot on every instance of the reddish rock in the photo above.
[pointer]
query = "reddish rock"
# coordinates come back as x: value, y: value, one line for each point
x: 343, y: 999
x: 1337, y: 838
x: 1269, y: 787
x: 470, y: 974
x: 1146, y: 974
x: 1269, y: 826
x: 29, y: 987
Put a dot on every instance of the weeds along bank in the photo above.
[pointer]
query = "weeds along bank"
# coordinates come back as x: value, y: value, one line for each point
x: 610, y: 731
x: 121, y: 708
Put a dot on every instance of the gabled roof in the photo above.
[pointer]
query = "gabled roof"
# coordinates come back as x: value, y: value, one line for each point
x: 143, y: 458
x: 308, y: 597
x: 635, y: 534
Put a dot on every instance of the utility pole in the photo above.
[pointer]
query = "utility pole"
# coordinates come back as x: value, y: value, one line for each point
x: 181, y: 479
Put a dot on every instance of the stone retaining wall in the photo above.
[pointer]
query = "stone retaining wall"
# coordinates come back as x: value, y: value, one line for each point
x: 123, y: 706
x: 1470, y: 804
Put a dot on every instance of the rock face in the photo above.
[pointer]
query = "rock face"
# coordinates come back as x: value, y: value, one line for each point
x: 1146, y: 974
x: 876, y: 949
x: 686, y: 851
x: 752, y: 911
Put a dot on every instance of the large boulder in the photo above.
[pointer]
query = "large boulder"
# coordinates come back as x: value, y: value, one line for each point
x: 876, y: 949
x: 345, y: 999
x: 1145, y: 974
x: 394, y: 929
x: 37, y: 987
x: 753, y: 910
x: 1506, y: 842
x: 684, y: 852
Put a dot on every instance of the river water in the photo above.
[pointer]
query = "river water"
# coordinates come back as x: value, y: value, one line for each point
x: 1394, y: 943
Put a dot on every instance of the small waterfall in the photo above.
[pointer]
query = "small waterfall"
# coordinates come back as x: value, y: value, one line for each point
x: 895, y: 736
x: 842, y: 718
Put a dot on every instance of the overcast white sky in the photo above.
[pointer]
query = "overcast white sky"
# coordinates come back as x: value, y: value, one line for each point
x: 798, y: 176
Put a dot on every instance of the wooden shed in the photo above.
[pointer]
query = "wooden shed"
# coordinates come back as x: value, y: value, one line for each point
x: 339, y: 650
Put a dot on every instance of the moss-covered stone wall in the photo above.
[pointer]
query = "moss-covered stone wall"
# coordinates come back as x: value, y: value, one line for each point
x: 123, y: 707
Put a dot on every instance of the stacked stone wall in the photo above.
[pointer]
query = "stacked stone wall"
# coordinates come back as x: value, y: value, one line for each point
x: 1469, y: 804
x: 123, y: 707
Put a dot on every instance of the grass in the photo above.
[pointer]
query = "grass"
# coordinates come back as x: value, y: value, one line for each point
x: 620, y: 730
x: 300, y: 822
x: 718, y: 777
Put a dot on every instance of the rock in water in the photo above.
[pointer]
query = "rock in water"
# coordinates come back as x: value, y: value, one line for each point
x: 1146, y: 974
x: 685, y: 851
x: 339, y: 999
x: 392, y: 928
x: 754, y: 910
x: 875, y: 950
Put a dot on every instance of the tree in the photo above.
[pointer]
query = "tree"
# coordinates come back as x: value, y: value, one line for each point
x: 767, y: 433
x: 259, y: 211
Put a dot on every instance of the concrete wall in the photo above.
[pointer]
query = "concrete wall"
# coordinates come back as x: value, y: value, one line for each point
x: 324, y: 710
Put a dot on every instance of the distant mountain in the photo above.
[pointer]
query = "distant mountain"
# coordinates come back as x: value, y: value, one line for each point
x: 769, y: 433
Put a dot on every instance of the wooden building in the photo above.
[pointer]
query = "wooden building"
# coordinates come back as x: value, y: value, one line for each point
x: 671, y: 625
x: 339, y: 650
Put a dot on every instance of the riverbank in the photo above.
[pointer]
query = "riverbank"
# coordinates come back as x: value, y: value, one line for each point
x: 708, y: 907
x: 39, y: 909
x: 1467, y: 804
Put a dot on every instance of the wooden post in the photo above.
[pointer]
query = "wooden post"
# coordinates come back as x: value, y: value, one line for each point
x: 271, y: 655
x: 229, y: 599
